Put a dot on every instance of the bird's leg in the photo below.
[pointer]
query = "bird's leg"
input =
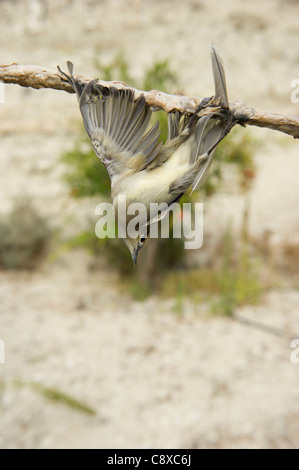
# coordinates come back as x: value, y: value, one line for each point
x: 226, y: 130
x: 65, y: 76
x: 203, y: 104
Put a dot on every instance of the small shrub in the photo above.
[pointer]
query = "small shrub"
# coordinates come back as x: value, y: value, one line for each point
x: 86, y: 175
x: 24, y: 236
x: 117, y: 67
x: 235, y: 282
x: 159, y: 77
x: 236, y: 153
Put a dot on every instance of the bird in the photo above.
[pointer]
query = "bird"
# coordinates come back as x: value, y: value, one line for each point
x: 141, y: 168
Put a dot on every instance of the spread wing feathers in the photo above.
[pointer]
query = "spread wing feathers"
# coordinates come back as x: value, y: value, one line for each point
x: 178, y: 132
x: 207, y: 135
x: 177, y: 123
x: 116, y: 125
x: 219, y: 79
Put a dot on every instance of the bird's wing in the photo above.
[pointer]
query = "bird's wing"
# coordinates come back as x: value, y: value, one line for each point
x: 177, y: 123
x: 178, y: 133
x: 161, y: 214
x: 207, y: 134
x: 117, y: 125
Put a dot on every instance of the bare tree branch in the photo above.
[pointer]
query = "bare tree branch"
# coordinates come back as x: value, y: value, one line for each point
x: 41, y: 77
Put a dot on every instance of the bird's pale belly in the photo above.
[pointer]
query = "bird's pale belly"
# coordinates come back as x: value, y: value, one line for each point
x: 153, y: 185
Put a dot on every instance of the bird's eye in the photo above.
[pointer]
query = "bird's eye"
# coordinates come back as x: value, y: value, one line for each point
x: 143, y: 239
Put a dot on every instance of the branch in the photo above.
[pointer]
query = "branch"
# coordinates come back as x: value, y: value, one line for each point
x: 41, y: 77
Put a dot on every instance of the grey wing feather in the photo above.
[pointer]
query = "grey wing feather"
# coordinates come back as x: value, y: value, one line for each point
x: 173, y: 125
x: 177, y: 123
x: 219, y: 79
x: 178, y: 132
x: 207, y: 133
x: 116, y: 125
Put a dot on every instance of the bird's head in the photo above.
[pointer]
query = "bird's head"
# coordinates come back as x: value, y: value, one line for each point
x: 135, y: 245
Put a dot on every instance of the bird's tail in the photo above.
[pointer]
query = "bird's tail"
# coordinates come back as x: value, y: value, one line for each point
x: 219, y: 79
x: 212, y: 128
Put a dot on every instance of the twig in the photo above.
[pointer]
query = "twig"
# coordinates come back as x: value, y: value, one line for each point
x: 258, y: 325
x: 41, y: 77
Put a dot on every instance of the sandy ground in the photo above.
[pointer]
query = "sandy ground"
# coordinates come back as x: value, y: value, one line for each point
x: 153, y: 378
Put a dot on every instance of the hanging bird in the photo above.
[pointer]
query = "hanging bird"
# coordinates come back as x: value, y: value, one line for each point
x: 140, y: 167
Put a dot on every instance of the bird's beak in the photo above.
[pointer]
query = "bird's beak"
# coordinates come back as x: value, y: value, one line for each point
x: 134, y: 255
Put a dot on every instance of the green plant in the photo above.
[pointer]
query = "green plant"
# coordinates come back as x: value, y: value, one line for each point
x: 54, y: 395
x: 179, y: 300
x: 117, y: 67
x: 226, y: 286
x: 24, y: 236
x: 238, y: 279
x: 85, y: 175
x: 236, y: 153
x: 159, y: 76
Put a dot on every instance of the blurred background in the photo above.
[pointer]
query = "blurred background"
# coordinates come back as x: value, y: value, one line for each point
x: 192, y: 348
